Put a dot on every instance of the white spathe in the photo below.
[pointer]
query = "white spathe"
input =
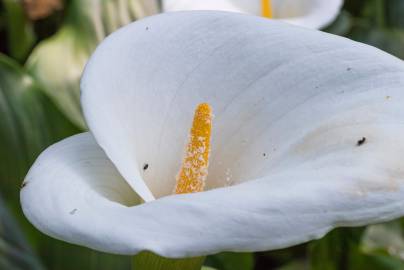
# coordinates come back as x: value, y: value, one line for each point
x: 307, y: 136
x: 314, y: 14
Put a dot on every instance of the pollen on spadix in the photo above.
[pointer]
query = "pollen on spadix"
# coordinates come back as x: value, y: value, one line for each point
x: 194, y: 170
x: 266, y: 8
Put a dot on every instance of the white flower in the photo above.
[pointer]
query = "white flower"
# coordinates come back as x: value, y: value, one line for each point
x: 308, y: 13
x: 307, y: 136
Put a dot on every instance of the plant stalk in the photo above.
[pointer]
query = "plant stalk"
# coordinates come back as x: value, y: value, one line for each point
x: 151, y: 261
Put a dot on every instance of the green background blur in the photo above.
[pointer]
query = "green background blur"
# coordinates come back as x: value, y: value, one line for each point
x: 43, y: 47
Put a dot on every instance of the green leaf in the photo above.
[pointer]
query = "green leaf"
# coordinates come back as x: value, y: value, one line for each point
x: 337, y: 250
x: 355, y: 7
x: 344, y: 249
x: 389, y: 40
x: 15, y: 254
x: 62, y: 256
x: 395, y: 13
x: 295, y: 265
x: 384, y: 240
x: 231, y: 261
x: 30, y: 122
x: 57, y: 62
x: 20, y: 33
x: 375, y: 12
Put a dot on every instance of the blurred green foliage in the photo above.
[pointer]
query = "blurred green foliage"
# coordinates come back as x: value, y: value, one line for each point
x: 379, y: 23
x: 30, y: 122
x: 64, y: 54
x: 15, y: 253
x: 20, y: 32
x: 40, y: 65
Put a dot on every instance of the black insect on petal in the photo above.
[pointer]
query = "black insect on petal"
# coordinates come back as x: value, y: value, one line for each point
x: 361, y: 141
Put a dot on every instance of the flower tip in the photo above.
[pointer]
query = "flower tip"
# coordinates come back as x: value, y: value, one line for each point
x: 203, y: 109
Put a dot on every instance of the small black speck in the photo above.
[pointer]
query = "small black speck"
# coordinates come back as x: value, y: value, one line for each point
x: 145, y: 167
x: 147, y: 28
x: 361, y: 141
x: 73, y: 211
x: 349, y: 69
x: 264, y: 154
x: 24, y: 184
x: 317, y: 87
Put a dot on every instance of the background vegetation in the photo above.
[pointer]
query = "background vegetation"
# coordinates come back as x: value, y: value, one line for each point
x: 43, y: 47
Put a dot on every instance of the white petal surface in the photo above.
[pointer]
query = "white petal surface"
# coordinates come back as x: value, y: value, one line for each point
x: 292, y: 108
x: 308, y: 13
x: 68, y: 188
x: 72, y: 193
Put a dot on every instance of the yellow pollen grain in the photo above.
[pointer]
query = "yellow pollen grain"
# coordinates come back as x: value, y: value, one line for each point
x: 266, y: 9
x: 194, y: 170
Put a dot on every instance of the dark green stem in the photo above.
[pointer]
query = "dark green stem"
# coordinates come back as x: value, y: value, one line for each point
x: 150, y: 261
x: 379, y: 11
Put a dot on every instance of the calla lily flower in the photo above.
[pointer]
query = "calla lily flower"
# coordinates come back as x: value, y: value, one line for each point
x: 314, y: 14
x: 306, y: 137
